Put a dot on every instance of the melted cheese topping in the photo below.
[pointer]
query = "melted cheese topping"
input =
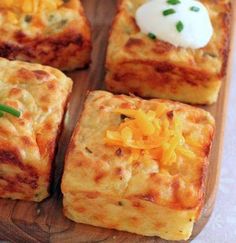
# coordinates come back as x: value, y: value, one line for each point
x: 153, y: 135
x: 184, y: 23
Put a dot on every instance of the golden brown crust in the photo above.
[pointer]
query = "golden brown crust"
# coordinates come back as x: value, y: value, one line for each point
x: 66, y: 51
x: 64, y: 43
x: 103, y: 172
x: 158, y: 69
x: 27, y: 144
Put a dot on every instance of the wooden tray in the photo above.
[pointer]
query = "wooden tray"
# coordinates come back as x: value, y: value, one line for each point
x: 44, y: 222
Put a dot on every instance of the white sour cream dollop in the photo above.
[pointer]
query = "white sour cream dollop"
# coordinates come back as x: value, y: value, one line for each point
x: 197, y: 28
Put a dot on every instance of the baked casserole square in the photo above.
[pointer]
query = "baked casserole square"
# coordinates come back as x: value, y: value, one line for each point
x: 138, y: 165
x: 152, y: 68
x: 27, y: 142
x: 54, y: 33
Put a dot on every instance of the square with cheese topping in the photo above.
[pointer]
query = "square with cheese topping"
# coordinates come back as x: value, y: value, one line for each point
x: 54, y: 33
x: 38, y: 95
x: 136, y: 63
x: 138, y: 165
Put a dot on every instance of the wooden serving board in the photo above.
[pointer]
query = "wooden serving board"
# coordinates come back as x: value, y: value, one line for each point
x: 44, y: 222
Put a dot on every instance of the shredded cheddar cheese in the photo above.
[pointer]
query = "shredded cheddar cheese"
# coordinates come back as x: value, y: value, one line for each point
x: 152, y: 134
x: 31, y: 6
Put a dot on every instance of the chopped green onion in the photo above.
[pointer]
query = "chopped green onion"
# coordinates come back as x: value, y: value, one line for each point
x: 9, y: 110
x: 180, y: 26
x: 152, y: 36
x: 1, y: 114
x: 173, y: 2
x: 168, y: 11
x: 195, y: 9
x: 28, y: 18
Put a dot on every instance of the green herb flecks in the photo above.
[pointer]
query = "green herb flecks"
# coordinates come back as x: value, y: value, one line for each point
x: 173, y: 2
x: 51, y: 17
x: 168, y: 11
x: 152, y: 36
x: 62, y: 23
x: 88, y: 150
x: 180, y: 26
x: 213, y: 55
x: 28, y: 18
x: 195, y: 9
x: 10, y: 110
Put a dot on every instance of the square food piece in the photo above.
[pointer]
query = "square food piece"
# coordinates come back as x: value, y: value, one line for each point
x: 54, y: 33
x: 27, y: 143
x: 152, y: 68
x: 138, y: 165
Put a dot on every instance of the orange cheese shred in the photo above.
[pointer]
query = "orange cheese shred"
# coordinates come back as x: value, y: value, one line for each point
x: 31, y: 6
x: 151, y: 133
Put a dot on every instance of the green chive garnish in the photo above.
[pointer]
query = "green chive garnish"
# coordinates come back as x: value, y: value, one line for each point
x: 152, y: 36
x: 168, y: 11
x: 195, y: 9
x: 28, y: 18
x: 9, y: 110
x: 180, y: 26
x: 1, y: 114
x: 173, y: 2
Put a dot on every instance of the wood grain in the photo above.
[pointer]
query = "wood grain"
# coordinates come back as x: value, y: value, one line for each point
x: 44, y: 222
